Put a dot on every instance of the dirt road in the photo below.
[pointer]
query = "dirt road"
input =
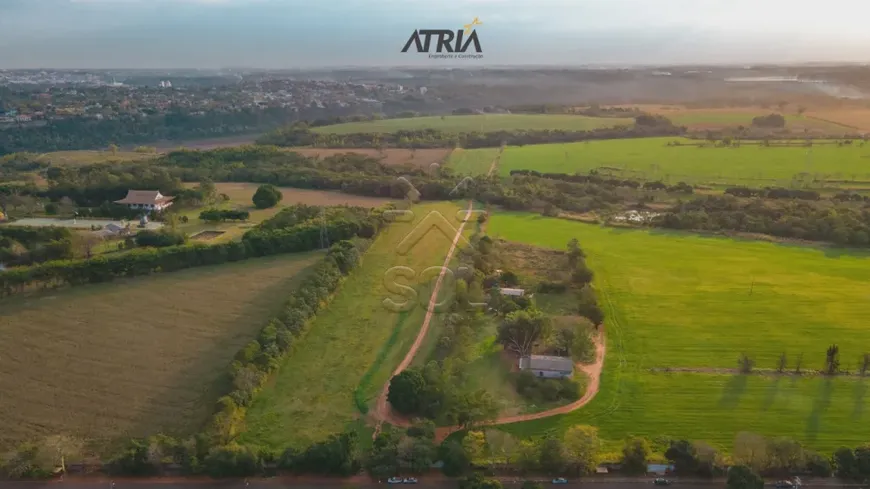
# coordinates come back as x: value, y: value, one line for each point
x: 383, y: 411
x: 592, y: 371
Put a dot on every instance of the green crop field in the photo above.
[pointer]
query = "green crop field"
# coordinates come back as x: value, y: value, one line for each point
x: 134, y: 357
x: 353, y: 346
x: 696, y: 303
x: 714, y: 119
x: 482, y: 123
x: 472, y: 161
x: 652, y: 159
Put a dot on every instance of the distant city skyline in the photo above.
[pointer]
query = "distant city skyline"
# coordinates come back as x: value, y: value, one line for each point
x: 278, y: 34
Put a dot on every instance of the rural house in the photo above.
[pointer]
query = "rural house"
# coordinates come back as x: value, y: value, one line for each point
x: 149, y: 200
x: 548, y: 366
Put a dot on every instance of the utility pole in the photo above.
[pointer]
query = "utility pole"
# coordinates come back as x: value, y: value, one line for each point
x: 324, y: 234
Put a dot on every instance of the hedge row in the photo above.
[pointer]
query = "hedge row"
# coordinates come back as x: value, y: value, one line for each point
x: 224, y: 215
x: 215, y: 451
x: 261, y: 357
x: 305, y: 237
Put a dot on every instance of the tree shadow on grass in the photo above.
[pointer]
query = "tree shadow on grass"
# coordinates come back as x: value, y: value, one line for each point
x: 820, y: 406
x: 859, y: 393
x: 733, y: 391
x: 770, y: 395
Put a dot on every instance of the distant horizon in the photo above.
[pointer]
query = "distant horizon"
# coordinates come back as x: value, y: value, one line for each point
x: 470, y: 67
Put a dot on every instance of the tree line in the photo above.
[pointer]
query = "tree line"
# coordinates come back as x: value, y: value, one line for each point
x: 839, y: 224
x: 138, y: 262
x: 300, y: 135
x: 774, y: 193
x: 178, y: 124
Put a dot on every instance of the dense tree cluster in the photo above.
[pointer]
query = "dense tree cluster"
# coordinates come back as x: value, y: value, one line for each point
x: 840, y: 224
x: 591, y: 178
x: 26, y: 245
x: 774, y: 193
x: 769, y: 121
x: 84, y: 133
x: 402, y: 451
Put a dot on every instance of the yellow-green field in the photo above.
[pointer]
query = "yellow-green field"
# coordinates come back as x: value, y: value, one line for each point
x: 693, y: 303
x: 653, y: 159
x: 481, y: 123
x: 472, y: 161
x: 133, y: 357
x: 352, y: 347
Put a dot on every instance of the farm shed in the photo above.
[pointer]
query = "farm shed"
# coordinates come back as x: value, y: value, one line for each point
x: 659, y: 469
x: 548, y: 366
x: 513, y: 292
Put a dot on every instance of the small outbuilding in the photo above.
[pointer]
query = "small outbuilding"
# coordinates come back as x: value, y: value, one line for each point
x: 512, y: 292
x: 547, y: 366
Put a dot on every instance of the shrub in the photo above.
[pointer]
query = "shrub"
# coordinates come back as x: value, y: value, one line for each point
x: 267, y: 196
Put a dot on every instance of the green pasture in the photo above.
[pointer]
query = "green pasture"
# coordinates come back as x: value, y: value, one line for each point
x: 652, y: 159
x: 480, y: 123
x: 352, y: 347
x: 472, y: 161
x: 697, y: 303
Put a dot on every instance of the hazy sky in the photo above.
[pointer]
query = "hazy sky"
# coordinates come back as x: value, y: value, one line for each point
x: 307, y: 33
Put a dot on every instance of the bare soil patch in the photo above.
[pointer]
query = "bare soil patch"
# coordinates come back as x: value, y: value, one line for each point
x: 392, y: 156
x: 206, y: 235
x: 242, y: 193
x: 541, y: 263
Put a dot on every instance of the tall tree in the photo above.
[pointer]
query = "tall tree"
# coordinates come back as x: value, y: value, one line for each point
x: 635, y: 454
x: 743, y: 477
x: 583, y: 447
x: 750, y: 449
x: 520, y: 330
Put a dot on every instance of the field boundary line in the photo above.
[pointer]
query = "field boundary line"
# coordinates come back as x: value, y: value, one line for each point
x: 495, y: 161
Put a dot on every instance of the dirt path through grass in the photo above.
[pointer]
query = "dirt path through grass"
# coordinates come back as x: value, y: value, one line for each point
x: 383, y: 411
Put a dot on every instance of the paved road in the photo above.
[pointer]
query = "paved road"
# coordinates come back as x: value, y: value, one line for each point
x: 433, y: 484
x: 275, y: 484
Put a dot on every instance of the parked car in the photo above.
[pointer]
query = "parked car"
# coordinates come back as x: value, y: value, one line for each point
x: 784, y: 484
x: 560, y: 480
x: 662, y: 482
x: 410, y: 480
x: 394, y: 480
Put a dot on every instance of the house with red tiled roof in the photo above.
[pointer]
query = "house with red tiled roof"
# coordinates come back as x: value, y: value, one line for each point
x: 147, y: 200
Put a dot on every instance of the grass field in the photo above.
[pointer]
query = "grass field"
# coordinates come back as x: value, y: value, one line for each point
x: 351, y: 348
x: 240, y: 195
x: 133, y: 357
x: 717, y: 118
x: 697, y: 303
x: 91, y: 157
x: 651, y: 159
x: 472, y: 161
x: 482, y: 123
